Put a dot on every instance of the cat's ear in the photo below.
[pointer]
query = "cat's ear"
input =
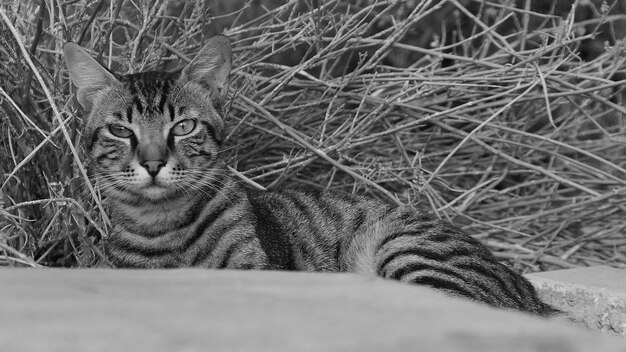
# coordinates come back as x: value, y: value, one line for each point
x: 86, y: 74
x: 211, y: 67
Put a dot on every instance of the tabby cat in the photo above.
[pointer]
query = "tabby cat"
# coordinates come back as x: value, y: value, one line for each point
x: 154, y: 142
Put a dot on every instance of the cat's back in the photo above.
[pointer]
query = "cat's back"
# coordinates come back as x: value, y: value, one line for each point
x: 315, y: 211
x: 311, y: 222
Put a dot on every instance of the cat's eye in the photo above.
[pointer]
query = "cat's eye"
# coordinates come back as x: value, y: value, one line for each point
x: 120, y: 131
x: 184, y: 127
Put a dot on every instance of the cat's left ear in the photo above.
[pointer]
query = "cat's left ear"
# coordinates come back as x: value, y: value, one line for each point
x: 86, y: 74
x: 211, y: 67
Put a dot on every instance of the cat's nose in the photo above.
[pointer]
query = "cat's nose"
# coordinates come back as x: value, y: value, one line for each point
x: 153, y: 166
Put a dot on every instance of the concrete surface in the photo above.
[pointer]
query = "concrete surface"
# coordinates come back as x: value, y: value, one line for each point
x: 204, y: 310
x: 593, y: 296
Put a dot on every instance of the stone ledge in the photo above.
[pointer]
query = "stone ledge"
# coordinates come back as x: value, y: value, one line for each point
x: 593, y: 296
x: 208, y: 310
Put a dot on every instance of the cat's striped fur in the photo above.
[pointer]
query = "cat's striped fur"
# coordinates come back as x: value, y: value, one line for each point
x: 154, y: 143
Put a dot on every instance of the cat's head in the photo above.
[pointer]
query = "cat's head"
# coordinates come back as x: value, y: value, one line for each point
x: 153, y: 135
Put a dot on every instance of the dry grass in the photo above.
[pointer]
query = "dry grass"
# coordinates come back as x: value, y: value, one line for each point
x: 504, y: 120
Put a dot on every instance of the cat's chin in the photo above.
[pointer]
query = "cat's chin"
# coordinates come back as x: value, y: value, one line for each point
x: 156, y: 193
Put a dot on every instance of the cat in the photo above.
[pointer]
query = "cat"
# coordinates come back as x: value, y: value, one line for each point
x: 154, y: 139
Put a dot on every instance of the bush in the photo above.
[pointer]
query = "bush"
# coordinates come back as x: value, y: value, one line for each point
x: 503, y: 118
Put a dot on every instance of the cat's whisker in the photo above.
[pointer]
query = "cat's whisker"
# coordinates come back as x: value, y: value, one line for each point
x: 204, y: 188
x: 215, y: 185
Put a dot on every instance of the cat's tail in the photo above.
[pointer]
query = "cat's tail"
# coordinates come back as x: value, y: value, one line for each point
x: 410, y: 247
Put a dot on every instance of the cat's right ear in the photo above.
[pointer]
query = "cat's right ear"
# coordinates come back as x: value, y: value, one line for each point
x: 211, y: 66
x: 86, y: 74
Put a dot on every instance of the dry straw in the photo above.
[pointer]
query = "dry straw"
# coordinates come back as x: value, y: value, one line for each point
x: 504, y: 120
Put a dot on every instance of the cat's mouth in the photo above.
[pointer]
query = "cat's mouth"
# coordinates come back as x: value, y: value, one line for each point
x: 156, y: 189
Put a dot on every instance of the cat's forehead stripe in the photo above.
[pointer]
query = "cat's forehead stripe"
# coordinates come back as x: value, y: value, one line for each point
x: 149, y: 91
x: 165, y: 87
x: 170, y: 107
x: 134, y: 92
x: 129, y: 113
x: 137, y: 103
